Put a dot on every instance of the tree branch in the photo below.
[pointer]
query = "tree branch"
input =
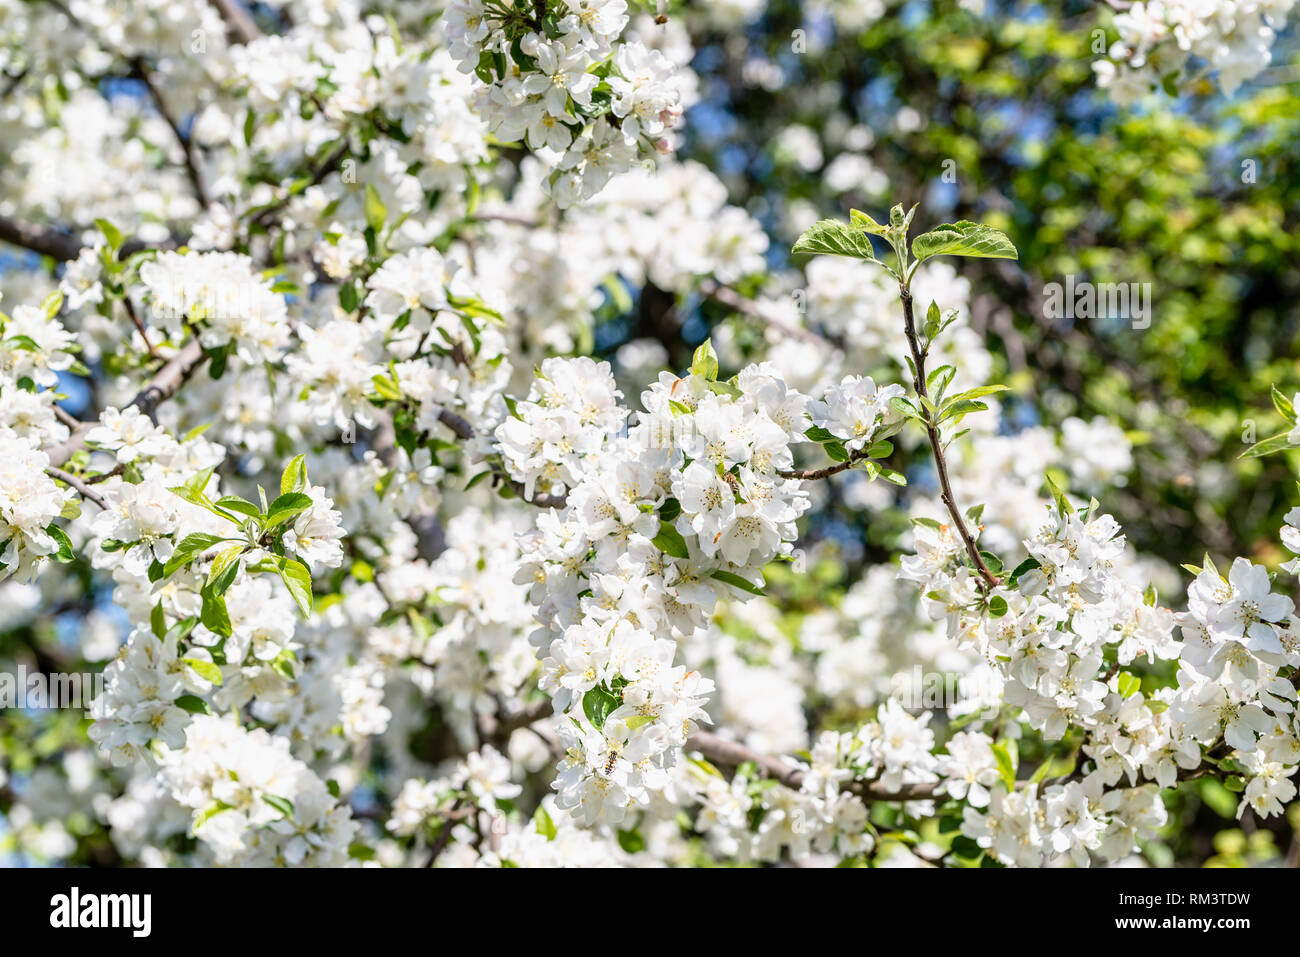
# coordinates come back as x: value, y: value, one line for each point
x: 140, y: 70
x: 734, y: 300
x: 45, y: 242
x: 84, y: 490
x: 936, y: 442
x: 60, y: 245
x: 814, y: 474
x: 466, y: 432
x: 731, y: 754
x: 239, y: 22
x: 159, y: 389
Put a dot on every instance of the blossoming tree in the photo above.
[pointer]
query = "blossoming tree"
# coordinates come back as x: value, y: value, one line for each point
x: 442, y: 468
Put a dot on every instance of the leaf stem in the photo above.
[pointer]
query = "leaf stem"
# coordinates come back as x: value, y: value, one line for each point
x: 936, y: 443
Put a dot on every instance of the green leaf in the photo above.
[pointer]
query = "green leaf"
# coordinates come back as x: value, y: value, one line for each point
x: 631, y: 841
x: 233, y: 503
x: 65, y: 553
x: 181, y: 630
x: 386, y: 388
x: 637, y: 721
x: 1283, y: 406
x: 298, y: 580
x: 543, y: 824
x: 938, y: 380
x: 349, y: 296
x: 376, y: 211
x: 283, y: 805
x: 735, y: 581
x: 1062, y: 503
x: 213, y: 613
x: 964, y: 239
x: 209, y: 812
x: 905, y: 408
x: 933, y: 321
x: 192, y: 704
x: 705, y: 361
x: 294, y: 476
x: 51, y: 304
x: 286, y: 507
x: 158, y: 621
x: 21, y: 343
x: 670, y: 541
x: 1218, y: 797
x: 1028, y: 565
x: 1129, y: 685
x: 204, y: 669
x: 598, y: 704
x: 957, y: 409
x: 1276, y: 443
x: 1006, y: 763
x: 997, y: 606
x: 978, y: 392
x: 112, y: 235
x: 221, y: 575
x: 832, y: 238
x: 190, y: 548
x: 860, y: 220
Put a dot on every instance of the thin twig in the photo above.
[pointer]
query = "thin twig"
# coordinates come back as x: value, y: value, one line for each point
x: 139, y: 326
x: 84, y: 490
x: 734, y: 300
x: 828, y: 471
x: 160, y: 388
x: 936, y: 442
x: 466, y: 432
x: 238, y: 21
x: 140, y: 70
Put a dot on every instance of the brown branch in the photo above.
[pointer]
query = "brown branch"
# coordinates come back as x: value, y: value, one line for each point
x: 61, y: 245
x: 139, y: 326
x: 444, y: 836
x: 45, y: 242
x: 936, y: 442
x: 159, y: 389
x: 734, y: 300
x: 465, y: 432
x: 331, y: 163
x: 828, y: 471
x: 140, y: 70
x: 730, y: 754
x: 239, y: 22
x: 72, y: 481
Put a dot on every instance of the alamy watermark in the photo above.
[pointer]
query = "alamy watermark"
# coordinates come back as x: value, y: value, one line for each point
x: 921, y: 690
x: 1098, y: 300
x: 42, y: 691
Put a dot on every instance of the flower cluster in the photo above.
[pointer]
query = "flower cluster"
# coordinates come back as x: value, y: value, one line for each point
x: 571, y: 410
x: 221, y: 295
x: 1050, y: 632
x: 254, y: 804
x: 557, y: 78
x: 685, y: 508
x: 1158, y: 38
x: 29, y: 504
